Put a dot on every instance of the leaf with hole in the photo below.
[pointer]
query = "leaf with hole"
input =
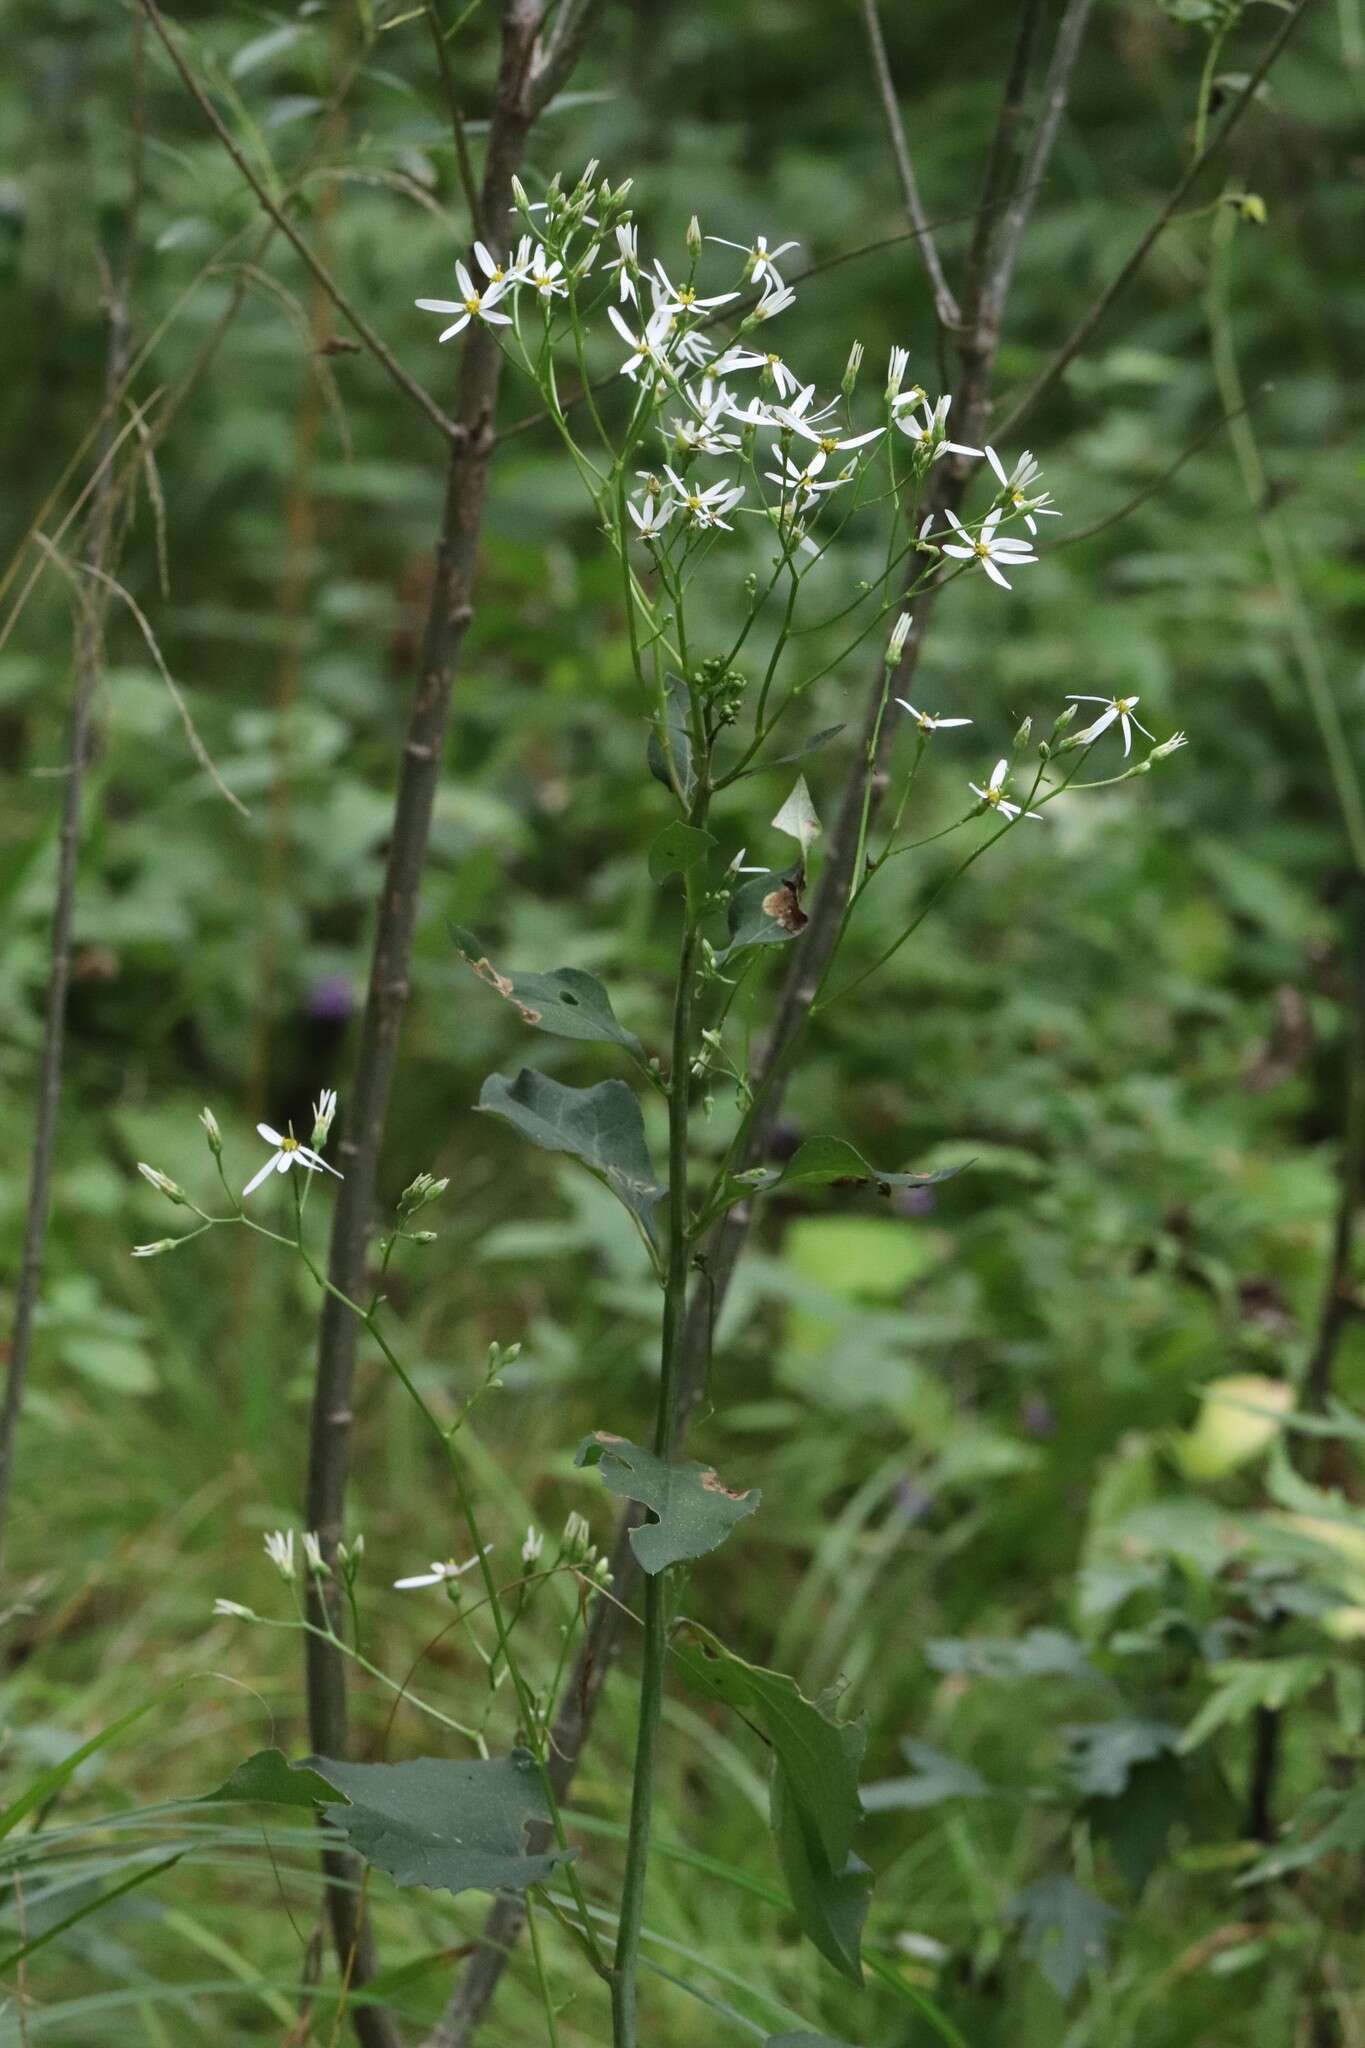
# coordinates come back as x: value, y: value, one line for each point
x: 694, y: 1510
x: 601, y: 1126
x: 567, y: 1002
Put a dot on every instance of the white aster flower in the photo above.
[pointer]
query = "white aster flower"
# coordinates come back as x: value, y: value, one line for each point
x: 472, y: 304
x: 503, y: 274
x: 288, y: 1152
x: 802, y: 415
x: 775, y: 300
x: 682, y: 298
x: 279, y: 1548
x: 533, y: 1544
x: 990, y: 549
x: 900, y: 633
x: 702, y: 434
x: 994, y: 794
x: 233, y: 1608
x: 930, y: 435
x: 154, y: 1251
x: 312, y: 1551
x: 772, y: 366
x: 1015, y: 487
x: 1120, y: 708
x: 706, y: 507
x: 800, y: 483
x: 895, y: 372
x: 1170, y: 746
x: 827, y: 442
x: 545, y: 278
x: 162, y: 1182
x: 441, y: 1571
x: 651, y: 518
x: 646, y: 347
x: 929, y: 721
x: 692, y: 347
x: 760, y: 262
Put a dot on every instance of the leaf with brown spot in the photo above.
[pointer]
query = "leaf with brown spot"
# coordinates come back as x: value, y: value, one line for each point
x: 567, y: 1002
x: 694, y: 1510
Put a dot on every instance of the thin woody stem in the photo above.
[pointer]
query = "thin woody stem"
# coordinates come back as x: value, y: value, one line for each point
x: 382, y: 354
x: 89, y: 667
x: 451, y: 608
x: 946, y: 309
x: 1096, y: 312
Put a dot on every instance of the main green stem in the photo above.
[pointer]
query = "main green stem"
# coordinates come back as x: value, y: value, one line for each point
x: 625, y: 1974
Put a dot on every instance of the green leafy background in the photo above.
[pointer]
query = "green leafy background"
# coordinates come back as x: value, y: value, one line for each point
x: 961, y: 1402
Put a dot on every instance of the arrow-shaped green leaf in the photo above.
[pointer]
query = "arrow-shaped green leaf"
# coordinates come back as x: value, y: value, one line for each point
x: 695, y: 1511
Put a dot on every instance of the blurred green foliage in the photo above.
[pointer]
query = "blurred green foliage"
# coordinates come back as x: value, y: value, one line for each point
x: 963, y: 1409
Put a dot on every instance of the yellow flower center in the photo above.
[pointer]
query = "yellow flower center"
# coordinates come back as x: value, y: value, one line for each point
x: 289, y: 1144
x: 474, y: 303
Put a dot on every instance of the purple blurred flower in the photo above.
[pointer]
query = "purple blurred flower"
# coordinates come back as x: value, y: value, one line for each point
x: 332, y: 999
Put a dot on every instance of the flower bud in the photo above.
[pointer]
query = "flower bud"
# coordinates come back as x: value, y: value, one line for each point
x: 1064, y: 719
x: 576, y: 1542
x: 1024, y: 734
x: 212, y: 1132
x: 163, y: 1184
x: 900, y: 633
x: 519, y: 194
x: 851, y: 369
x: 233, y: 1608
x: 324, y: 1109
x: 1168, y: 747
x: 694, y: 238
x: 312, y: 1551
x: 895, y: 374
x: 154, y: 1251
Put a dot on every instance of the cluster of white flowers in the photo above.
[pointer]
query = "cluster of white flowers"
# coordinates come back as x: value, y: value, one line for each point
x: 585, y: 233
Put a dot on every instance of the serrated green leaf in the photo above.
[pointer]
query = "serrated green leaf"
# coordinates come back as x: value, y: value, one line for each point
x: 601, y: 1126
x: 1101, y: 1755
x: 567, y: 1002
x: 1064, y: 1929
x: 270, y: 1778
x: 1241, y: 1688
x: 1331, y: 1823
x: 819, y: 1755
x: 695, y: 1512
x: 670, y: 756
x: 831, y: 1899
x: 453, y: 1827
x: 1137, y: 1823
x: 936, y: 1778
x: 679, y: 849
